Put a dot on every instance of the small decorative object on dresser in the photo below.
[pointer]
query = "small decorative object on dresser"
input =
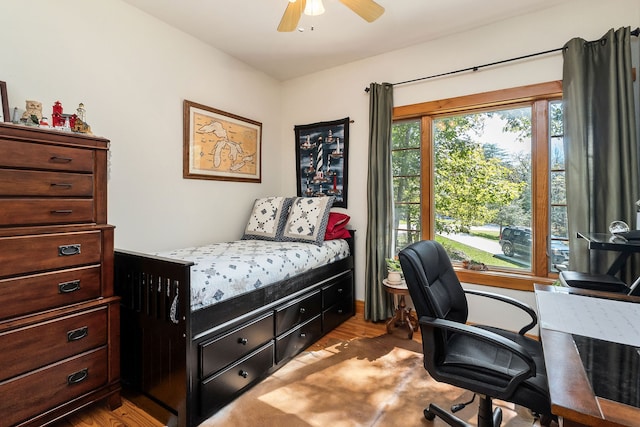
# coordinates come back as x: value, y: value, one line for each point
x: 59, y: 317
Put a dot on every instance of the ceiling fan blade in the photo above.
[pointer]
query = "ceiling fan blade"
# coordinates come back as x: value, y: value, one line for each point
x: 368, y: 10
x: 291, y: 16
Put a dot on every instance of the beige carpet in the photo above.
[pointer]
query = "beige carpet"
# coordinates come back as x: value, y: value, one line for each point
x: 363, y: 382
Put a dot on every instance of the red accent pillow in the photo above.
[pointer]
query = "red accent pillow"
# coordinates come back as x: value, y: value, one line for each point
x: 336, y: 226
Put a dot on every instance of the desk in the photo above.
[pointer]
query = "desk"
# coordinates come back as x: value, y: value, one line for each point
x: 570, y: 383
x: 608, y: 242
x: 402, y: 316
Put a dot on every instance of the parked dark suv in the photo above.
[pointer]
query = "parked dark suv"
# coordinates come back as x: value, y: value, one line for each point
x: 517, y: 240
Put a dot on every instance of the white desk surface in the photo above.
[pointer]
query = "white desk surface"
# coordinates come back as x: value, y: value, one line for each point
x: 608, y: 320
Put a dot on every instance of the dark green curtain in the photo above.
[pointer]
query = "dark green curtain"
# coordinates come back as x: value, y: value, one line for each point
x: 601, y: 145
x: 379, y: 239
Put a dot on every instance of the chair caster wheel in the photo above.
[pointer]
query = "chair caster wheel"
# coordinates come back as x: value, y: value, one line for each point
x: 428, y: 415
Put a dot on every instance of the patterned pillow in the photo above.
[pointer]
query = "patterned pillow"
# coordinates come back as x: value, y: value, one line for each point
x: 307, y: 221
x: 267, y: 218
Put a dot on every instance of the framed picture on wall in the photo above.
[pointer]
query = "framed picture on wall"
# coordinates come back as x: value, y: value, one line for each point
x: 322, y: 160
x: 220, y: 145
x: 4, y: 103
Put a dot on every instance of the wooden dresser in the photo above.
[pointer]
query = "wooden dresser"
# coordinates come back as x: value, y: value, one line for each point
x: 59, y: 318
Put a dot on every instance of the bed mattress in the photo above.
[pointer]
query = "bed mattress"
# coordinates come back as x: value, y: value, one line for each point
x: 225, y: 270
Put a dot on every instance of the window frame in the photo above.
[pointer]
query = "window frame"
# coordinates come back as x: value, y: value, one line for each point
x: 538, y: 97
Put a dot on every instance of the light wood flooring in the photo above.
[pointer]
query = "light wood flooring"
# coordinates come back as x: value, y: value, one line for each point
x: 129, y: 415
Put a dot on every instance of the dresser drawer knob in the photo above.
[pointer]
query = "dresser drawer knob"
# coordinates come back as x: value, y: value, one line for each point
x: 243, y: 341
x: 68, y: 287
x: 68, y: 250
x: 303, y: 310
x: 243, y: 373
x: 77, y: 334
x: 59, y: 159
x: 78, y: 377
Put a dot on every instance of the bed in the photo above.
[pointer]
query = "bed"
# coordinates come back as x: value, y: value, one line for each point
x: 188, y: 349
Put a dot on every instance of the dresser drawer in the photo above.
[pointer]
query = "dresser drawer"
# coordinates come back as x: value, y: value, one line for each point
x: 47, y: 184
x: 298, y: 311
x: 26, y: 155
x: 218, y: 353
x: 28, y: 294
x: 219, y: 390
x: 297, y: 340
x: 33, y: 253
x: 45, y: 211
x: 38, y: 391
x: 51, y: 341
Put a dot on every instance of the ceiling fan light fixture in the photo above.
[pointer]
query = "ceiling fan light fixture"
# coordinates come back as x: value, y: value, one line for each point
x: 314, y: 8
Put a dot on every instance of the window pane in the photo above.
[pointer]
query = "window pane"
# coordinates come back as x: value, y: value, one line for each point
x: 406, y: 134
x: 558, y: 188
x: 482, y: 185
x: 407, y: 189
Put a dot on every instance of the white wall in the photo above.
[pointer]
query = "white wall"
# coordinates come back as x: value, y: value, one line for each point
x: 133, y: 72
x: 339, y: 92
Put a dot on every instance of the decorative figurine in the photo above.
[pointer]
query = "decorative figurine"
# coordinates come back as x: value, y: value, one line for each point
x: 56, y: 116
x: 33, y: 108
x: 80, y: 112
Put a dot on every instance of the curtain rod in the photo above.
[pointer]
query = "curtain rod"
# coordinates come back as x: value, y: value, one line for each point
x: 635, y: 32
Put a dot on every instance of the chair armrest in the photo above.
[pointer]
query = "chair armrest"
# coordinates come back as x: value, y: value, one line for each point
x: 517, y: 303
x: 491, y: 338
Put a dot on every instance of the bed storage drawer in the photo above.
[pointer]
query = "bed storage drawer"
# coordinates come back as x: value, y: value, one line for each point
x: 221, y: 351
x: 26, y: 254
x: 47, y: 184
x: 51, y: 341
x: 31, y: 394
x: 298, y: 339
x: 337, y: 313
x: 337, y: 291
x: 220, y: 389
x: 298, y: 311
x: 44, y: 156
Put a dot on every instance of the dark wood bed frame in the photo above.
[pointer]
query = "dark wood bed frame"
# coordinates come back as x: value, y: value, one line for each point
x: 183, y: 366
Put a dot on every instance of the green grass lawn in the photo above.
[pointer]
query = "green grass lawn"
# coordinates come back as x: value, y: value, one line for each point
x: 458, y: 251
x: 491, y: 235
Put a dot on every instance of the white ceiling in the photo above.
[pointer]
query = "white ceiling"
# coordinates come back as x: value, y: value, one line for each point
x: 246, y: 29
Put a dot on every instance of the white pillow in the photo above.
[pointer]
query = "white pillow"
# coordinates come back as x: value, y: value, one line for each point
x: 267, y: 218
x: 307, y: 220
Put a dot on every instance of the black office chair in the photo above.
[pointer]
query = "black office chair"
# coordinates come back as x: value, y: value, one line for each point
x: 490, y: 362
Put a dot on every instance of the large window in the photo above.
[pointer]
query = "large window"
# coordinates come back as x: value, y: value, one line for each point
x: 484, y: 175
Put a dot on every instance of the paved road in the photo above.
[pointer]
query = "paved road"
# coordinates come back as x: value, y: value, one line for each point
x: 491, y: 246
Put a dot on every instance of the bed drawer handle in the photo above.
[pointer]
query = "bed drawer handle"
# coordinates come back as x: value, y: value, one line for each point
x: 78, y: 377
x: 77, y: 334
x: 69, y: 250
x: 68, y: 287
x: 243, y: 373
x: 303, y: 310
x: 243, y: 341
x: 340, y: 311
x: 340, y: 290
x: 303, y: 335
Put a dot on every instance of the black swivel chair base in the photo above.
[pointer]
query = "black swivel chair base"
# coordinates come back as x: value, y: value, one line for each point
x: 487, y: 415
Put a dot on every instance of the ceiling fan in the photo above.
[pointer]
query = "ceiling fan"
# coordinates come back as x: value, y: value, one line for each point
x: 368, y: 10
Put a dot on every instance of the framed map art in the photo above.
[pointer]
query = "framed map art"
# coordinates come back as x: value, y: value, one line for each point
x: 220, y: 145
x: 321, y: 160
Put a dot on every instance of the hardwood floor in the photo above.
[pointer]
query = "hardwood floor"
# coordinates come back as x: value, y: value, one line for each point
x: 129, y: 415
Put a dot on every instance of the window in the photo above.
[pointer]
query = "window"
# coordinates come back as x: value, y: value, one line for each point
x: 484, y: 175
